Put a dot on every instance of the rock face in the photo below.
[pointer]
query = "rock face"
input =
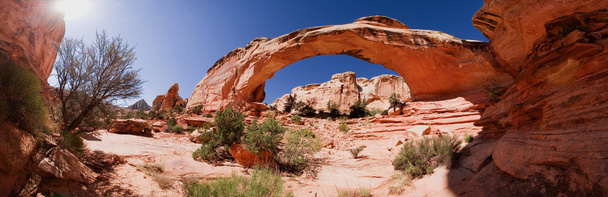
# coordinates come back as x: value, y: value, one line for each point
x: 551, y: 124
x: 140, y: 105
x: 170, y: 99
x: 345, y: 89
x: 131, y: 126
x: 16, y: 148
x: 512, y: 26
x: 64, y: 165
x: 29, y: 33
x: 419, y: 56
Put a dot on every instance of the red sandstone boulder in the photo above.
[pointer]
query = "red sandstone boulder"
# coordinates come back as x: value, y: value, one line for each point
x: 248, y: 159
x: 131, y: 126
x: 170, y: 99
x: 62, y: 164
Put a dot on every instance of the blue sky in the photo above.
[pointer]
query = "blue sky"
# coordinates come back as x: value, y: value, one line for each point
x: 177, y: 41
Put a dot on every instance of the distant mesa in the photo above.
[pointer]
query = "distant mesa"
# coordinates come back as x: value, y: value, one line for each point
x: 344, y: 89
x: 434, y: 65
x: 140, y: 105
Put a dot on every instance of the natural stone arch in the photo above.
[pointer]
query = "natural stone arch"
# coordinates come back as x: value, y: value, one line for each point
x: 434, y: 64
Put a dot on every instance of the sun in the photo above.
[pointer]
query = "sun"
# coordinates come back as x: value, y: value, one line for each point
x: 73, y: 9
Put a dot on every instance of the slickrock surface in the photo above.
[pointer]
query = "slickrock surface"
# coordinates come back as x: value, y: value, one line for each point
x: 419, y: 56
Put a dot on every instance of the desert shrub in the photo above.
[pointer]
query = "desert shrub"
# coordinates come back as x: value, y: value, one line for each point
x: 361, y: 192
x: 300, y: 147
x: 398, y: 182
x: 295, y: 118
x: 127, y: 115
x: 171, y: 122
x: 357, y: 110
x: 375, y: 111
x: 468, y: 138
x: 263, y: 137
x: 20, y: 98
x: 142, y: 115
x: 177, y: 109
x: 177, y: 128
x: 343, y: 127
x: 229, y: 129
x: 394, y: 100
x: 263, y: 182
x: 208, y: 115
x: 307, y: 108
x: 494, y: 90
x: 72, y: 142
x: 156, y: 171
x: 290, y: 103
x: 191, y: 128
x: 356, y: 150
x: 332, y: 108
x: 196, y: 109
x: 421, y: 157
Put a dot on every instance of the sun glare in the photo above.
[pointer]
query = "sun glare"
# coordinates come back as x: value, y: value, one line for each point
x: 73, y: 9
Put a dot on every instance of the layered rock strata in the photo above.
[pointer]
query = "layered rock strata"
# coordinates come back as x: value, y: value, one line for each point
x: 419, y: 56
x: 344, y: 89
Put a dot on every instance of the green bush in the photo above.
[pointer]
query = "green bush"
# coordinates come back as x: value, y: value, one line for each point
x: 263, y: 137
x: 177, y: 109
x: 361, y: 192
x: 208, y: 115
x: 229, y: 129
x: 296, y: 118
x: 196, y: 109
x: 343, y: 127
x: 299, y: 149
x: 394, y: 100
x: 333, y: 109
x: 375, y: 111
x: 290, y: 103
x: 263, y: 182
x: 72, y: 142
x: 177, y: 128
x: 355, y: 151
x: 357, y: 110
x: 171, y: 122
x: 468, y: 138
x: 421, y: 157
x: 142, y: 115
x: 127, y: 115
x: 20, y: 98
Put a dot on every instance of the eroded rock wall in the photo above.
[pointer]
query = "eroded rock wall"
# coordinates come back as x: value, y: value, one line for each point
x: 419, y: 56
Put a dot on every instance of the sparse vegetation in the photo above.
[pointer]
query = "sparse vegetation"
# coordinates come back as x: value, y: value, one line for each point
x: 307, y: 108
x: 171, y: 122
x: 361, y: 192
x: 356, y: 150
x: 72, y: 142
x: 375, y: 111
x: 398, y: 183
x: 333, y: 109
x: 394, y: 100
x: 156, y: 171
x: 343, y: 126
x: 357, y: 110
x: 295, y: 118
x: 177, y: 128
x: 494, y: 90
x: 290, y: 103
x: 177, y: 109
x: 20, y: 98
x: 263, y: 182
x: 422, y: 156
x: 263, y: 137
x: 142, y: 115
x: 468, y: 138
x: 196, y: 109
x: 301, y: 145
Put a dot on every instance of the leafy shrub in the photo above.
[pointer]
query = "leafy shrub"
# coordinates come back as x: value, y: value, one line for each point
x: 343, y: 127
x: 142, y: 115
x: 307, y: 108
x: 196, y: 109
x: 468, y: 138
x: 72, y: 142
x: 208, y: 115
x: 177, y: 128
x: 421, y: 157
x: 375, y: 111
x: 171, y: 122
x: 263, y: 182
x: 263, y: 137
x: 355, y: 151
x: 357, y: 110
x: 229, y: 129
x: 20, y: 98
x: 394, y: 100
x: 299, y: 149
x: 191, y: 128
x: 296, y: 118
x: 177, y: 109
x: 398, y: 182
x: 127, y: 115
x: 290, y: 103
x: 333, y: 109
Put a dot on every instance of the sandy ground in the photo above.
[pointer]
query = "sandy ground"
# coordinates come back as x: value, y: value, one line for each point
x: 337, y: 168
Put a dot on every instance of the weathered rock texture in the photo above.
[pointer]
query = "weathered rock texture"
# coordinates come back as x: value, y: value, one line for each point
x: 512, y: 26
x: 62, y: 164
x: 16, y: 148
x: 140, y: 105
x: 345, y: 89
x: 552, y: 122
x: 30, y: 31
x: 131, y: 126
x: 419, y: 56
x: 170, y: 99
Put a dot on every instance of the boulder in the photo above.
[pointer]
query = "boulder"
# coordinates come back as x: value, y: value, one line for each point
x: 131, y: 126
x: 248, y: 159
x: 195, y: 136
x: 16, y: 148
x: 199, y: 121
x: 62, y: 164
x: 416, y: 55
x: 419, y: 130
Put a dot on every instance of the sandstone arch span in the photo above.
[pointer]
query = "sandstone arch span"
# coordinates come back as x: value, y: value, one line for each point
x: 434, y: 64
